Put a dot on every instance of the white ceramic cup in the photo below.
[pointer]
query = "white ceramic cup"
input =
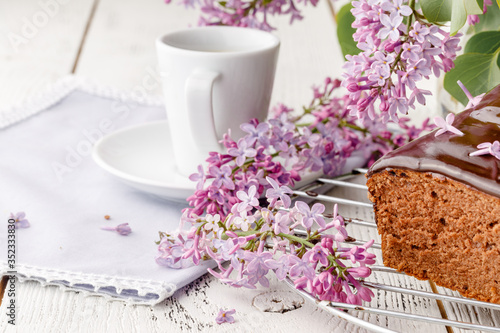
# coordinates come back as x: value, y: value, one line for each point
x: 214, y: 79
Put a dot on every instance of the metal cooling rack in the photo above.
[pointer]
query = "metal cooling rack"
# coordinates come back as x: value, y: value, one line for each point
x: 313, y: 191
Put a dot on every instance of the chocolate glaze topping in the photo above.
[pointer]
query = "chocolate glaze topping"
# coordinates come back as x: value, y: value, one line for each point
x: 448, y: 154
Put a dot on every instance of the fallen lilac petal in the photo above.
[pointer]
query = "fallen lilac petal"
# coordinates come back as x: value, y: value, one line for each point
x: 225, y: 316
x: 123, y: 229
x: 20, y: 220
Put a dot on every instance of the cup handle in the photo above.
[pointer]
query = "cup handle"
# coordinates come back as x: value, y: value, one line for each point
x: 199, y: 88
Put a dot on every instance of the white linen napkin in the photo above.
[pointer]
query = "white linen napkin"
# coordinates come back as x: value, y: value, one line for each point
x: 47, y: 171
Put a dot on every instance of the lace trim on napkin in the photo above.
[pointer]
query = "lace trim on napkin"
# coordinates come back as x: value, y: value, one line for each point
x: 62, y: 88
x: 129, y: 290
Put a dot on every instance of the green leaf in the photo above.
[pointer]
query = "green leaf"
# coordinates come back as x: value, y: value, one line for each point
x: 478, y: 72
x: 459, y: 11
x: 345, y: 31
x: 472, y: 7
x: 486, y: 42
x: 437, y: 10
x: 458, y: 16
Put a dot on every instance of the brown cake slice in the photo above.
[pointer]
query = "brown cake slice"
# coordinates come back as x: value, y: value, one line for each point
x: 438, y: 209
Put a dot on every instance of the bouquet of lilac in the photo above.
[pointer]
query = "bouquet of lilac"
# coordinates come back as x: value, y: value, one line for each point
x: 236, y: 228
x: 399, y: 49
x: 246, y: 13
x: 256, y: 240
x: 287, y: 146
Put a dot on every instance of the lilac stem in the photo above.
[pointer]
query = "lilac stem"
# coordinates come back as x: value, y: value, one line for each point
x: 466, y: 92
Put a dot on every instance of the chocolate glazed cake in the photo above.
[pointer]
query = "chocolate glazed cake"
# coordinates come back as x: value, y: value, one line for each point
x: 438, y: 209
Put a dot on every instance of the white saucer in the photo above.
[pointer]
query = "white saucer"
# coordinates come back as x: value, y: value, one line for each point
x: 141, y: 156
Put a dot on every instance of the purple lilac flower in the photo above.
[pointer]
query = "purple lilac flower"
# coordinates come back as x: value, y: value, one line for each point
x: 473, y: 101
x: 256, y: 261
x: 282, y: 223
x: 446, y: 125
x: 319, y: 254
x: 242, y: 221
x: 212, y: 222
x: 246, y: 13
x: 492, y: 148
x: 419, y: 95
x: 198, y: 177
x: 248, y: 200
x: 20, y: 220
x: 278, y: 192
x: 279, y: 266
x: 359, y: 254
x: 391, y: 26
x: 221, y: 176
x: 170, y: 252
x: 309, y: 215
x: 123, y: 229
x: 230, y: 249
x: 257, y: 132
x: 243, y: 151
x: 474, y: 19
x: 225, y: 316
x: 300, y: 267
x: 398, y: 6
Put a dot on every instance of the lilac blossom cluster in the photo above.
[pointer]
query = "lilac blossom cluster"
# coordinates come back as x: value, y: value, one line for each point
x: 255, y: 241
x: 230, y: 224
x: 474, y: 19
x: 399, y: 49
x: 246, y: 13
x: 287, y: 146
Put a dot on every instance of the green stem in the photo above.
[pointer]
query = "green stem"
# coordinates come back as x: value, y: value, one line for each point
x: 249, y: 162
x: 412, y: 6
x: 296, y: 239
x: 243, y: 234
x: 363, y: 130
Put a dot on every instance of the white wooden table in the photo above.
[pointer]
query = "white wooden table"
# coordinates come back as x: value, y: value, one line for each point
x: 112, y: 42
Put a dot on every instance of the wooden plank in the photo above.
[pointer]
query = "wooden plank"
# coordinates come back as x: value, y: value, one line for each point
x: 38, y: 44
x: 191, y: 309
x: 309, y: 53
x: 120, y: 46
x: 467, y: 313
x: 3, y: 285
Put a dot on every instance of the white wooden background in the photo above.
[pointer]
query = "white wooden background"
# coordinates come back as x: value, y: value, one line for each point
x: 112, y: 42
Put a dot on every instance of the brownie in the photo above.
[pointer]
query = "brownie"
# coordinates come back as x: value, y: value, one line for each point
x: 438, y: 209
